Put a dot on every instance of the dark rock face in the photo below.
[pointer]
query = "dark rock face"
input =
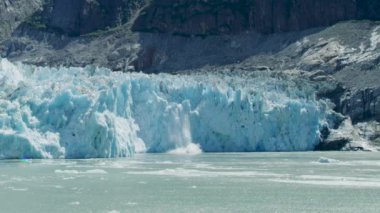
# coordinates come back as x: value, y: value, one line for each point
x: 368, y: 9
x: 189, y: 17
x: 332, y: 145
x: 78, y: 17
x: 362, y: 105
x: 200, y: 17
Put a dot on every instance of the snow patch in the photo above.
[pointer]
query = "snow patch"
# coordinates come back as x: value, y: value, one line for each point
x: 375, y: 38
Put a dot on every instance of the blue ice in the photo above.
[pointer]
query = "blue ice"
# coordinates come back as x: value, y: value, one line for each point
x: 95, y: 113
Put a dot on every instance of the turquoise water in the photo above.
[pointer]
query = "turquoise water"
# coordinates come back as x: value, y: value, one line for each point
x: 252, y: 182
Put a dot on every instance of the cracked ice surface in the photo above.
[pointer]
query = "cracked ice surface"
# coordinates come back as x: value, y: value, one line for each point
x: 93, y: 112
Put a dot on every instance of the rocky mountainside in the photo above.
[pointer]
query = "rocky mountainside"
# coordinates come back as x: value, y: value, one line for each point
x: 213, y: 17
x: 333, y: 43
x: 14, y: 12
x: 78, y: 17
x: 64, y: 32
x: 184, y: 17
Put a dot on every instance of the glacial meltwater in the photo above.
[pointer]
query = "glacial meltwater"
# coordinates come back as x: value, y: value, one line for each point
x: 250, y: 182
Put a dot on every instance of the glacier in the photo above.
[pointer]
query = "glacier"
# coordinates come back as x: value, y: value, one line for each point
x: 93, y: 112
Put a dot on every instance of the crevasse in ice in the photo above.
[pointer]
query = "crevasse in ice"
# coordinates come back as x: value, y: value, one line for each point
x: 93, y: 112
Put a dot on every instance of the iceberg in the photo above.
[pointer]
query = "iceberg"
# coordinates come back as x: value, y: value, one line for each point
x: 96, y: 113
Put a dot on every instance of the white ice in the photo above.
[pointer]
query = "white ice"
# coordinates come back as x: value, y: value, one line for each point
x: 93, y: 112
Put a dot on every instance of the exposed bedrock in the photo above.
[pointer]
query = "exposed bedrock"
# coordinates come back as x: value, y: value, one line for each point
x: 183, y: 17
x: 14, y: 12
x: 78, y: 17
x: 199, y: 17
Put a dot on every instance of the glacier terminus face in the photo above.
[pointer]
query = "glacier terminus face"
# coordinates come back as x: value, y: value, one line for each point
x: 96, y: 113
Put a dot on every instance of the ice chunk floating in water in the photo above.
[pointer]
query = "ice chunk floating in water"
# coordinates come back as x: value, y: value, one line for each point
x: 93, y: 112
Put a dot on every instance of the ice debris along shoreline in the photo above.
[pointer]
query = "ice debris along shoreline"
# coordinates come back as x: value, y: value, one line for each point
x: 95, y: 113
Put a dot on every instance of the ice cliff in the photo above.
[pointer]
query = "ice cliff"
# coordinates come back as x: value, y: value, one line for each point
x: 93, y: 112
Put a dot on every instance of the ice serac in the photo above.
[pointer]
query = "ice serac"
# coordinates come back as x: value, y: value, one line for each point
x: 93, y: 112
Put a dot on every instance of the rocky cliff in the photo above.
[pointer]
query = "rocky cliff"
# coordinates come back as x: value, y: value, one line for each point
x: 78, y: 17
x: 203, y: 18
x: 183, y: 17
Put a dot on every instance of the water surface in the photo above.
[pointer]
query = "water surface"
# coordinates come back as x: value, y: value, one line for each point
x: 251, y: 182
